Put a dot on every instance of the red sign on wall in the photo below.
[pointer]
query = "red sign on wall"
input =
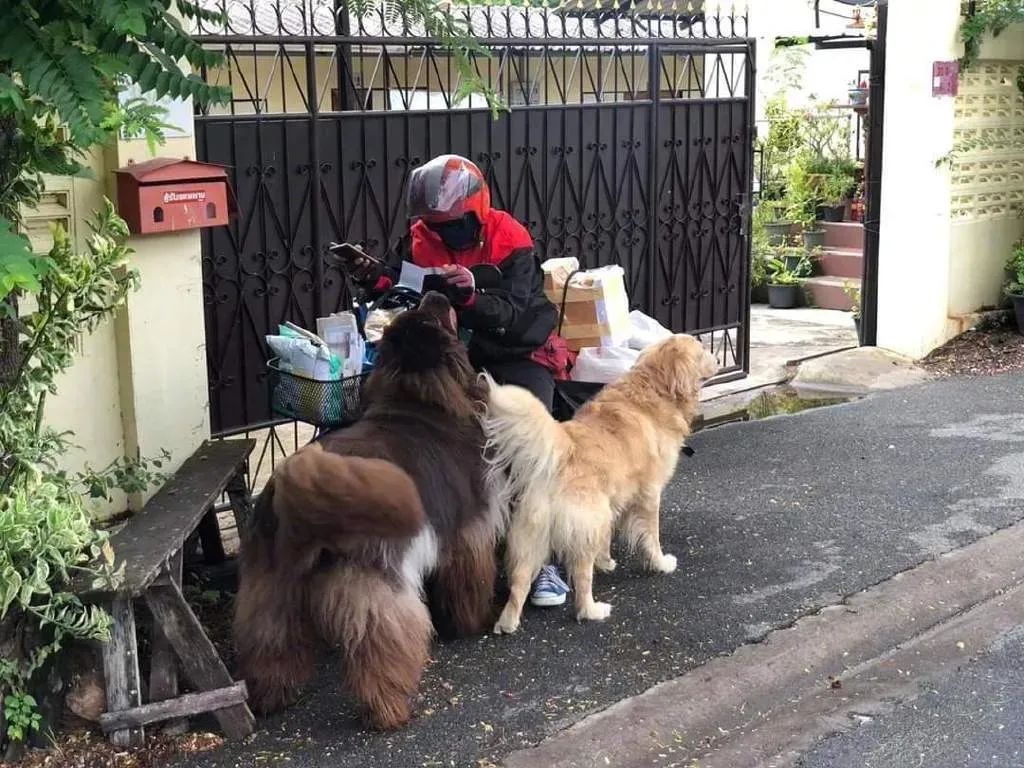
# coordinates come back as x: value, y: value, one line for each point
x: 945, y: 78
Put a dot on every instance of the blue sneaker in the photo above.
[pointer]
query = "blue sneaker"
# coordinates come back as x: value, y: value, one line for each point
x: 549, y: 589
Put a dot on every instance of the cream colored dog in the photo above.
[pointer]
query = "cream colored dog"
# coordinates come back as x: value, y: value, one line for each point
x: 574, y: 484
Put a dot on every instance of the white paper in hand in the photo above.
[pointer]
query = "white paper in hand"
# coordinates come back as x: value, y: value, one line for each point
x: 411, y: 276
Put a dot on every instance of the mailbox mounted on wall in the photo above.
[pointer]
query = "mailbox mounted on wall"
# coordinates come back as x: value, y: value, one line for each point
x: 168, y: 195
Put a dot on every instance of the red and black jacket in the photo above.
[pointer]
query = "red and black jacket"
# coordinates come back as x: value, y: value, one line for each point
x: 509, y: 322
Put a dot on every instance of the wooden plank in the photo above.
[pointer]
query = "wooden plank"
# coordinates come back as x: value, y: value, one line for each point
x: 150, y: 537
x: 177, y: 708
x: 163, y: 665
x: 200, y: 663
x: 121, y: 671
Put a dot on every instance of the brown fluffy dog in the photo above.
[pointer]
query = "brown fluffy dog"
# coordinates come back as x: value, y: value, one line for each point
x: 355, y: 530
x: 575, y: 483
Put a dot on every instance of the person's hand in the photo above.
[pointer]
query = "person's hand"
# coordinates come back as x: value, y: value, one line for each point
x: 461, y: 282
x: 366, y: 272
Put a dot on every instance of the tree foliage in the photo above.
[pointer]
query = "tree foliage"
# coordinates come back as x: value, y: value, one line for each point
x: 63, y: 65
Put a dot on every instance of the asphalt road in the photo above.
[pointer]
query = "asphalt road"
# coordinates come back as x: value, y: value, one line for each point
x: 770, y: 519
x: 973, y: 719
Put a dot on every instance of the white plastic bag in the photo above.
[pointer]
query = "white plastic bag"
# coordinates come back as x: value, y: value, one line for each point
x: 603, y: 365
x: 302, y: 357
x: 645, y: 331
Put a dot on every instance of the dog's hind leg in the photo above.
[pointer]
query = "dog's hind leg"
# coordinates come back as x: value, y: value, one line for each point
x: 272, y: 633
x: 462, y: 592
x: 382, y: 630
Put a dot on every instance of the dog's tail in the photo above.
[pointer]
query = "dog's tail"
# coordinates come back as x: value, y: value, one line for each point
x: 525, y: 445
x: 327, y: 498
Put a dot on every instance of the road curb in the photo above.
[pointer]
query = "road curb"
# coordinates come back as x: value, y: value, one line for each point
x: 681, y: 719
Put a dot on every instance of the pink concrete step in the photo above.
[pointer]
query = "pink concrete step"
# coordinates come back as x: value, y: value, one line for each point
x: 847, y: 234
x: 828, y: 293
x: 841, y: 262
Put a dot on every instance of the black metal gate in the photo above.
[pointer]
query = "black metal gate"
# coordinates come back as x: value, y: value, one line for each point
x: 629, y: 142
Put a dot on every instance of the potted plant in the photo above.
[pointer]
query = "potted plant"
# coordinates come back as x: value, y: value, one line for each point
x: 1014, y: 287
x: 783, y: 286
x: 853, y: 291
x: 858, y: 205
x: 802, y: 199
x: 759, y: 278
x: 836, y: 193
x: 796, y: 259
x: 761, y: 251
x: 778, y: 148
x: 859, y: 94
x: 772, y: 217
x: 813, y: 234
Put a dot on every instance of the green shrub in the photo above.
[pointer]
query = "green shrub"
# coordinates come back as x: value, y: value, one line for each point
x: 47, y: 538
x: 1015, y: 271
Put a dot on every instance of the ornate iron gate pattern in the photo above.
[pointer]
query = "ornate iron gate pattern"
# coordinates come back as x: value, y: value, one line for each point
x: 629, y: 142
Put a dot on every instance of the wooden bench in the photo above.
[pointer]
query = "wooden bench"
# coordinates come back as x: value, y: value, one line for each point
x: 150, y: 545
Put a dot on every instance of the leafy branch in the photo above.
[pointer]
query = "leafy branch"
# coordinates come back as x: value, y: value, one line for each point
x: 990, y: 17
x: 46, y: 531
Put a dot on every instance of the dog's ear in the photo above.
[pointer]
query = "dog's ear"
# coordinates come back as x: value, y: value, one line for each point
x: 679, y: 364
x: 437, y: 305
x: 694, y: 364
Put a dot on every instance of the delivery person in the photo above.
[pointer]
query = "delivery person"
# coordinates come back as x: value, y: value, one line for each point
x: 455, y: 228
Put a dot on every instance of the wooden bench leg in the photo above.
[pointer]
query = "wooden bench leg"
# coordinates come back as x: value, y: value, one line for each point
x: 121, y: 670
x: 163, y: 673
x: 241, y: 502
x: 199, y: 660
x: 209, y: 536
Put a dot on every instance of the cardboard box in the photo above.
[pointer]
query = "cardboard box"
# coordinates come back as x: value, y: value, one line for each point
x: 596, y: 306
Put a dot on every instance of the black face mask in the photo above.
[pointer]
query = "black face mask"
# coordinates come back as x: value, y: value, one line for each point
x: 459, y: 235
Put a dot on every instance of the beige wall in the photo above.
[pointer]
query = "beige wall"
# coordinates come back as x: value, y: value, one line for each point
x: 138, y: 384
x: 946, y: 227
x: 987, y: 174
x: 161, y: 337
x: 88, y: 401
x: 914, y: 253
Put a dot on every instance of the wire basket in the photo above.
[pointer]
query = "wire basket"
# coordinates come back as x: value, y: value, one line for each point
x: 325, y: 404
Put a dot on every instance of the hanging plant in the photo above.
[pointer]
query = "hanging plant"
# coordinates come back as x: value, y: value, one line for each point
x: 990, y: 18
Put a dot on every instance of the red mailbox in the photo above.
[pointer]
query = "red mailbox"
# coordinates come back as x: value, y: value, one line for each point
x: 168, y: 195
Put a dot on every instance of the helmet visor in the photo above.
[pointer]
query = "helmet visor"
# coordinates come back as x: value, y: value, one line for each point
x: 438, y: 190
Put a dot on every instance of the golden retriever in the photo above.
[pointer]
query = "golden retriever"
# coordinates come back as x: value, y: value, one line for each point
x: 576, y: 483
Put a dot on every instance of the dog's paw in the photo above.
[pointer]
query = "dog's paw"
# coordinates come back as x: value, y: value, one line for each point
x: 506, y: 625
x: 666, y: 564
x: 606, y: 566
x: 594, y: 612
